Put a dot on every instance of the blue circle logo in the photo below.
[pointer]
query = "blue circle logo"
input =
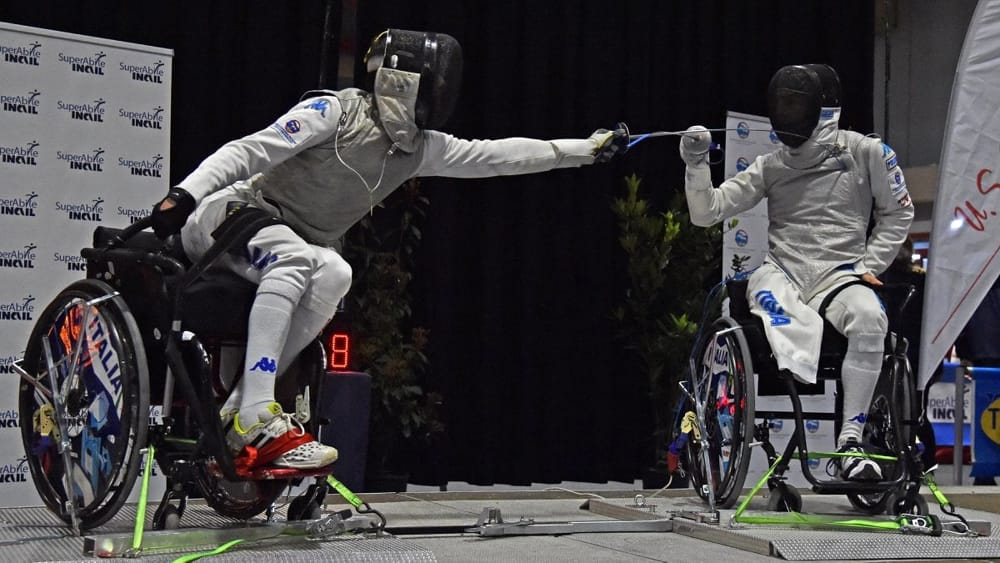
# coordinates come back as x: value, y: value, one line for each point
x: 742, y: 129
x: 776, y: 424
x: 812, y: 426
x: 742, y: 164
x: 742, y: 237
x: 774, y: 137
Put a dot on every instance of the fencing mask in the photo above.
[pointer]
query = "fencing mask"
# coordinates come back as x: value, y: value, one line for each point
x: 794, y: 99
x: 435, y: 57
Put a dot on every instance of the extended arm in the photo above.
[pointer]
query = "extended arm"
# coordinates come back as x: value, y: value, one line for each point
x: 446, y: 155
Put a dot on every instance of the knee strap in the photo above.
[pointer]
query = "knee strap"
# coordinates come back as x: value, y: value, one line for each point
x: 829, y: 297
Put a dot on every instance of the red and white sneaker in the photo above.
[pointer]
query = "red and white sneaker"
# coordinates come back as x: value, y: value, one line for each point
x: 275, y: 438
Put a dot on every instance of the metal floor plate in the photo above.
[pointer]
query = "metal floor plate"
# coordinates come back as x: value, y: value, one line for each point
x: 797, y: 544
x: 35, y: 534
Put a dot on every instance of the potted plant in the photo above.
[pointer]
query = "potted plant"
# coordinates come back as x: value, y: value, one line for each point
x: 389, y: 347
x: 670, y: 265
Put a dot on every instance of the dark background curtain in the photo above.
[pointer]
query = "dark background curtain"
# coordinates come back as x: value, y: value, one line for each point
x: 517, y: 276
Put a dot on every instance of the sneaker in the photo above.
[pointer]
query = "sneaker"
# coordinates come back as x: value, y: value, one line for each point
x: 857, y: 467
x: 276, y: 438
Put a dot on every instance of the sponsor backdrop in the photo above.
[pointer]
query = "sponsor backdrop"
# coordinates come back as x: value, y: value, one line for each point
x: 744, y: 246
x: 84, y: 141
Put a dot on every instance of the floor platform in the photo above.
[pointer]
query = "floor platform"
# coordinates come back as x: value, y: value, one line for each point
x: 428, y: 526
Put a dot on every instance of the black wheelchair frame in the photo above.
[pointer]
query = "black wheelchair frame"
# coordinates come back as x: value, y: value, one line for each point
x: 143, y: 325
x: 725, y: 362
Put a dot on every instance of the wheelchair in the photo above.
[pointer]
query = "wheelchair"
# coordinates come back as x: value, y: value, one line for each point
x: 732, y: 353
x: 147, y: 327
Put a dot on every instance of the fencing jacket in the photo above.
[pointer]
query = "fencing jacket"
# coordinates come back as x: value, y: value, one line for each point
x: 330, y: 159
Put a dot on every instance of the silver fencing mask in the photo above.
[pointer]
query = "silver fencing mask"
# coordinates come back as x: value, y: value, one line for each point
x: 435, y: 57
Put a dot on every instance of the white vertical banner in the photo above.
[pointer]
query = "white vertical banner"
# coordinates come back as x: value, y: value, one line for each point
x: 744, y: 238
x: 965, y: 234
x: 84, y: 141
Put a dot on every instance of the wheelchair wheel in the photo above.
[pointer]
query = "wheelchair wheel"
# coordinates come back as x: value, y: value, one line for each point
x: 238, y: 499
x: 890, y: 429
x: 724, y: 381
x: 87, y: 346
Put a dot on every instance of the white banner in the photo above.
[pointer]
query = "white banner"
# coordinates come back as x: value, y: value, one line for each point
x: 744, y: 238
x: 965, y: 235
x: 84, y: 141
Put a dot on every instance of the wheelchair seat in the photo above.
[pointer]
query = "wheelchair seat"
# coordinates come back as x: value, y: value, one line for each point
x: 216, y: 305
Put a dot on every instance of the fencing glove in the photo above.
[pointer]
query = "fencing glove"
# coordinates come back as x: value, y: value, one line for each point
x: 609, y: 143
x: 694, y: 145
x: 169, y: 221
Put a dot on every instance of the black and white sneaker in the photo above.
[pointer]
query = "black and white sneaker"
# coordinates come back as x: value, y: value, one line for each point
x: 857, y: 466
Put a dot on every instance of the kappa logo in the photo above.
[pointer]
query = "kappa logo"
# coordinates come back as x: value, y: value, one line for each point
x: 320, y: 105
x: 260, y: 259
x: 265, y: 364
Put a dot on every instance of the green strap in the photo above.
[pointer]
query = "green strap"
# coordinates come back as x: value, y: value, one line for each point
x: 140, y: 515
x: 344, y: 491
x: 195, y: 556
x: 932, y: 486
x: 767, y: 475
x: 797, y: 519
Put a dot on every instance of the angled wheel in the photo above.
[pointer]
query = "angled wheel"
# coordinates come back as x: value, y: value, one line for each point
x: 723, y: 381
x: 85, y: 346
x: 238, y: 499
x: 784, y: 498
x: 890, y: 429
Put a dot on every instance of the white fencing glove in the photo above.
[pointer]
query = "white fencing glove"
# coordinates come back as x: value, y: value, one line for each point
x: 694, y: 146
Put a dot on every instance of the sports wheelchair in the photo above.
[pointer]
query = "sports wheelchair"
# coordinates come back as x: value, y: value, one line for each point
x: 147, y: 327
x: 732, y: 353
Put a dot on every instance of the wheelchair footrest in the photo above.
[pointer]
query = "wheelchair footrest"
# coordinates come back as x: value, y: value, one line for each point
x: 853, y: 487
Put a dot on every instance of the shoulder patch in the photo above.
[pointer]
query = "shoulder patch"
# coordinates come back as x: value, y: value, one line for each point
x: 889, y: 155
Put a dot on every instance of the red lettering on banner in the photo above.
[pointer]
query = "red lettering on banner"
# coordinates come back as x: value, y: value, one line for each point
x: 979, y: 182
x: 974, y: 216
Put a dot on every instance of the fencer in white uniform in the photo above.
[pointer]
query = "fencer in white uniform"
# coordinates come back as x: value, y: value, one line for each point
x: 320, y: 168
x: 823, y: 188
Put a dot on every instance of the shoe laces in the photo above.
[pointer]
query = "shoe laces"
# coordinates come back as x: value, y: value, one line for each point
x: 292, y: 421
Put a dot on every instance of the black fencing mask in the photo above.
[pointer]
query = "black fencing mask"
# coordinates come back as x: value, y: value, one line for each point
x: 436, y: 57
x: 794, y: 99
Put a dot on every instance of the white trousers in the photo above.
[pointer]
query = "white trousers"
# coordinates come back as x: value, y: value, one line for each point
x: 793, y: 325
x: 277, y: 259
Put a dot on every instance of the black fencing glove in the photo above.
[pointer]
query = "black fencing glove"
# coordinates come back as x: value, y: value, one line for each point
x: 609, y: 143
x: 169, y: 221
